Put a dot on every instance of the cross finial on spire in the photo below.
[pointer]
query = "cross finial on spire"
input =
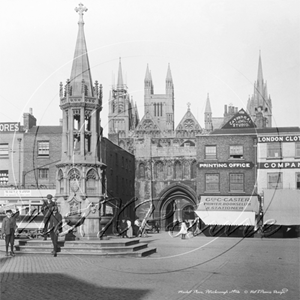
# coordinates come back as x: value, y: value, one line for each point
x: 188, y: 104
x: 80, y: 10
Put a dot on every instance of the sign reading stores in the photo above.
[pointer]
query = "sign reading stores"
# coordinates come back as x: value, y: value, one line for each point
x: 9, y: 127
x: 226, y: 165
x: 279, y: 165
x: 276, y: 139
x: 229, y: 203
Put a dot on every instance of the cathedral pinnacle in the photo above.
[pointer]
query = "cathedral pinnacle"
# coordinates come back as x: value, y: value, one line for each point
x: 80, y: 10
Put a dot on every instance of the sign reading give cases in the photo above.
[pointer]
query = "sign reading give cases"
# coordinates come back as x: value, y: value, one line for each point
x: 229, y: 203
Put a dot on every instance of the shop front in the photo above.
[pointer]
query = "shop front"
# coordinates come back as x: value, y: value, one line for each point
x: 228, y: 215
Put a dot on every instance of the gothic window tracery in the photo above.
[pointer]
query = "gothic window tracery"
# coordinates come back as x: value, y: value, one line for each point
x: 178, y: 170
x: 194, y: 170
x: 142, y: 171
x: 91, y: 181
x: 74, y: 180
x: 159, y: 170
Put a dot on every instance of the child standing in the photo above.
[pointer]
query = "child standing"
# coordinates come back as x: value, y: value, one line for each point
x: 9, y: 225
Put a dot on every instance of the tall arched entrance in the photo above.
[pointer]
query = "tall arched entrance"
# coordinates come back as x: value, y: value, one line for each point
x: 177, y: 203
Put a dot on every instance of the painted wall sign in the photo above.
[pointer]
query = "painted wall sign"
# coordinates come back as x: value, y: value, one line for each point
x: 15, y: 193
x: 229, y: 203
x: 276, y: 139
x: 9, y: 127
x: 240, y: 120
x: 226, y: 165
x: 279, y: 165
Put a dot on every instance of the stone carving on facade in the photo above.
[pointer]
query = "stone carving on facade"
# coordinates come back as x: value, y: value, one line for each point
x: 74, y: 178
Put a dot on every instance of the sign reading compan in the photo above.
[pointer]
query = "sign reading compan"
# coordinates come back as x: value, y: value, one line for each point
x: 279, y: 165
x: 9, y: 127
x: 229, y: 203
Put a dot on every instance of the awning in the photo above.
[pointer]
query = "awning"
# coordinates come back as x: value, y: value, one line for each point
x: 282, y: 207
x: 227, y: 217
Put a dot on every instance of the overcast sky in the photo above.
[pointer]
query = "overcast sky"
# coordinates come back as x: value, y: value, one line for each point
x: 212, y: 47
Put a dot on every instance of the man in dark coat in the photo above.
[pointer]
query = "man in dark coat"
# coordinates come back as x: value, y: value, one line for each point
x: 9, y: 225
x: 55, y: 227
x: 47, y: 209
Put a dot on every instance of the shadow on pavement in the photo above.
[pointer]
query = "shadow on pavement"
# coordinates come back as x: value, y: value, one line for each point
x: 60, y: 286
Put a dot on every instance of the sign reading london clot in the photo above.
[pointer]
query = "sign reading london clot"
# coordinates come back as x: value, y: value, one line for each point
x: 229, y: 203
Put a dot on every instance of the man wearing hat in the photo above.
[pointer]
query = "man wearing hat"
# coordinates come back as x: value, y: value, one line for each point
x: 9, y: 225
x: 47, y: 209
x: 55, y: 225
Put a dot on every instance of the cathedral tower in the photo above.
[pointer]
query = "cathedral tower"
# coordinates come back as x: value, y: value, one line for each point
x: 208, y: 115
x: 79, y: 173
x: 160, y: 106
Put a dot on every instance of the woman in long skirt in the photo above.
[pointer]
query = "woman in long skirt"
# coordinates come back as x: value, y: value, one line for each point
x: 129, y: 229
x: 183, y: 230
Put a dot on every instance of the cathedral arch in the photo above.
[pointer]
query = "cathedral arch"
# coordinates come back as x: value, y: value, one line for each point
x: 92, y: 180
x: 60, y: 178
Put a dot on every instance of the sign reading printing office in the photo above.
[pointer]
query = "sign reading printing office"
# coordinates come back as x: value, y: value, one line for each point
x: 276, y: 139
x: 279, y: 165
x: 226, y: 165
x: 9, y: 127
x: 229, y: 203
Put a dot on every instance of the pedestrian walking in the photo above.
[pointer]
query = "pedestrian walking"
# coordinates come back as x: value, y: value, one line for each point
x: 9, y: 226
x: 47, y: 209
x: 55, y: 225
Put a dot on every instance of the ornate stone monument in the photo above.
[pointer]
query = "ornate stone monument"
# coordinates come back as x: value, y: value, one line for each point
x: 81, y: 173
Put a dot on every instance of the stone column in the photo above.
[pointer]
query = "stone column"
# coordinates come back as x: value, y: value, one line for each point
x: 82, y: 130
x: 71, y: 134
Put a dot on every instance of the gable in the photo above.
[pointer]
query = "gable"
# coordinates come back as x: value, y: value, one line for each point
x: 240, y: 120
x: 188, y: 123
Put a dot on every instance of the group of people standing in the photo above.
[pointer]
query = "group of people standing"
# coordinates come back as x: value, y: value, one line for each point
x: 52, y: 225
x: 133, y: 229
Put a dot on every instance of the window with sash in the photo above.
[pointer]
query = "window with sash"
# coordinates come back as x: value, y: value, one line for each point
x: 275, y: 180
x: 212, y: 182
x: 43, y: 149
x: 210, y: 152
x: 274, y: 150
x: 236, y: 182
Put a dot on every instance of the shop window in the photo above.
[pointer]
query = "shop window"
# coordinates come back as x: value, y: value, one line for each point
x: 210, y: 152
x: 236, y: 182
x: 274, y: 150
x: 3, y: 177
x: 297, y: 152
x: 298, y: 181
x: 212, y: 182
x: 43, y: 149
x: 275, y: 180
x: 43, y: 174
x: 4, y: 151
x: 236, y: 152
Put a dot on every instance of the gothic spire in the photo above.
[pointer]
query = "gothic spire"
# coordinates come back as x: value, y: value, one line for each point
x: 148, y: 74
x: 207, y: 106
x: 260, y: 72
x: 120, y: 84
x: 169, y: 75
x: 81, y: 73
